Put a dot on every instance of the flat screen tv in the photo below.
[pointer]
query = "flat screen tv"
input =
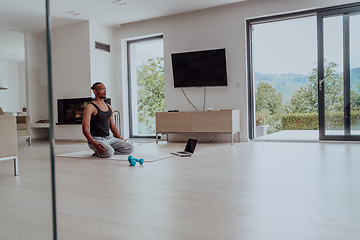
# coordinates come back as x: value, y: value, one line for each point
x: 205, y: 68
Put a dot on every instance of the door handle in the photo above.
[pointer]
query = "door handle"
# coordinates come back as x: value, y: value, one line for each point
x: 322, y: 80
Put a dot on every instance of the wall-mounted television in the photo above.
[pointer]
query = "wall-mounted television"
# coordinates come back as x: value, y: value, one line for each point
x: 205, y: 68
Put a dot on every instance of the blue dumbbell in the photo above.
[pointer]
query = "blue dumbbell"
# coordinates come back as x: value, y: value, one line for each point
x: 133, y: 161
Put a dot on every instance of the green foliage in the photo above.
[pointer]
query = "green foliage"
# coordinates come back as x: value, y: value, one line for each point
x: 275, y: 126
x: 269, y: 107
x: 300, y: 121
x: 305, y: 100
x: 355, y: 120
x: 355, y: 79
x: 335, y: 120
x: 303, y: 106
x: 309, y: 121
x: 151, y: 93
x: 334, y: 89
x: 301, y: 113
x: 260, y: 118
x: 284, y: 83
x: 289, y: 83
x: 355, y: 99
x: 267, y: 98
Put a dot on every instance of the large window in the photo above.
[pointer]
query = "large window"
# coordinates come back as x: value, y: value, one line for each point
x: 146, y: 84
x: 339, y: 94
x: 285, y: 75
x: 290, y: 89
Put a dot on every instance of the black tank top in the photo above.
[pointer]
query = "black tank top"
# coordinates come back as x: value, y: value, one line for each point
x: 99, y: 123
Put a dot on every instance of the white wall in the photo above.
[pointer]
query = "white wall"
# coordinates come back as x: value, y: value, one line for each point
x: 37, y: 81
x: 76, y: 65
x: 70, y: 55
x: 9, y: 99
x: 220, y: 27
x: 102, y: 62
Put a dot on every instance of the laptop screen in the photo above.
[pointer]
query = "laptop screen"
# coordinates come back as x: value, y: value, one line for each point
x: 191, y: 144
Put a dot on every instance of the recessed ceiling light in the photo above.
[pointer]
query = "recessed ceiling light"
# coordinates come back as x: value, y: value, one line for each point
x: 73, y: 13
x: 8, y: 28
x: 119, y: 2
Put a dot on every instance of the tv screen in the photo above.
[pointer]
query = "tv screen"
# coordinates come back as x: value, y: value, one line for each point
x: 199, y: 69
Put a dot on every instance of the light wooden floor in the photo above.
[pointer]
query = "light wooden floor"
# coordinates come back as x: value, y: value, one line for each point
x: 248, y: 191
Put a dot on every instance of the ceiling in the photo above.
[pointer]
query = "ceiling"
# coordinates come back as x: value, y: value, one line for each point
x: 111, y: 14
x: 25, y: 16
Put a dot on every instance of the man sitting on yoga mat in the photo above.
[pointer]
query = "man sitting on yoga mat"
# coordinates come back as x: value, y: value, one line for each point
x: 98, y: 118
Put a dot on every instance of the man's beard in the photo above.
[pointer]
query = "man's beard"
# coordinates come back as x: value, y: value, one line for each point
x: 103, y: 97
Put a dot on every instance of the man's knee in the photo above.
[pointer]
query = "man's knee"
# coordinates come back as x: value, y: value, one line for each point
x: 123, y: 147
x: 129, y: 149
x: 109, y: 152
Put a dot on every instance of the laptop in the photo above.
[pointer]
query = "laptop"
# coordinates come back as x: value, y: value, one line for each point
x: 189, y: 149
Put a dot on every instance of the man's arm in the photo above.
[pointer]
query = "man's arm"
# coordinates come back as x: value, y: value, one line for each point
x: 88, y: 111
x: 113, y: 128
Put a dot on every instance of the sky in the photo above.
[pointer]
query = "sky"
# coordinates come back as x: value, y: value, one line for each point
x: 149, y: 50
x: 290, y: 46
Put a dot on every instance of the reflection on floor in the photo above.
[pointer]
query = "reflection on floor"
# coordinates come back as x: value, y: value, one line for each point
x: 245, y: 191
x: 300, y: 135
x: 291, y: 136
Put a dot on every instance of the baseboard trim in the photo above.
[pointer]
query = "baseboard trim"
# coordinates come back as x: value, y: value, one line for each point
x: 71, y: 140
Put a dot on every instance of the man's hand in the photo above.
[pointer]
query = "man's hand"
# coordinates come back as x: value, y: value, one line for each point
x: 100, y: 149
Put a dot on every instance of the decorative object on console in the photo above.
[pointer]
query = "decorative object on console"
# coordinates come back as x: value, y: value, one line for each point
x: 43, y: 121
x: 23, y: 127
x: 116, y: 116
x: 3, y: 84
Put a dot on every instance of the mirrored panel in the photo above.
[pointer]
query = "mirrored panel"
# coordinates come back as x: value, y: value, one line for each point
x: 25, y: 199
x: 355, y: 73
x: 333, y: 72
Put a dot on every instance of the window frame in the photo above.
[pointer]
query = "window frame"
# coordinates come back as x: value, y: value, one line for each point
x: 130, y: 80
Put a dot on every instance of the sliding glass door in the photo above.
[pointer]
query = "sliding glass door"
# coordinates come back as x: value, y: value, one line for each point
x: 146, y: 84
x: 339, y: 74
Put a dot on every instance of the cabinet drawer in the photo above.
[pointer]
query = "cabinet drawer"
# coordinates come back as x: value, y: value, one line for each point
x: 173, y: 122
x: 212, y: 121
